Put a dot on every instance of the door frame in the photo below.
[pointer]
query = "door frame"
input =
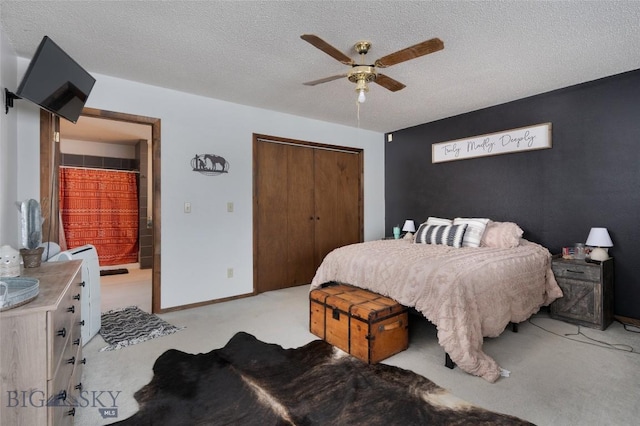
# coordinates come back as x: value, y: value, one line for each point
x: 50, y: 162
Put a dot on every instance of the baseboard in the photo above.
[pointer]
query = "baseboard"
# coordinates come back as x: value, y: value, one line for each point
x: 627, y: 320
x: 205, y: 303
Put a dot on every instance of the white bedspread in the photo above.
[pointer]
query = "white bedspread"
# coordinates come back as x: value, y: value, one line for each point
x: 468, y: 293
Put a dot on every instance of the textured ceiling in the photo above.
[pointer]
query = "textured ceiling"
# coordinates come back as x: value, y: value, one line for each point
x: 250, y: 52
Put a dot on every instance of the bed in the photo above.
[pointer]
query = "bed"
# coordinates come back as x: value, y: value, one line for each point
x: 469, y: 290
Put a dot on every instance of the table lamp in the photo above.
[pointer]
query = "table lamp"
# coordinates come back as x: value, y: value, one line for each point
x: 599, y: 238
x: 409, y: 226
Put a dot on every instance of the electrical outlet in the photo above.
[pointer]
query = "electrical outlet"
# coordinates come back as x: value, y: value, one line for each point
x: 229, y: 272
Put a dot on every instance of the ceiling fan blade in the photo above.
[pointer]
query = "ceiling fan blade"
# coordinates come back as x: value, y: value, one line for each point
x: 389, y: 83
x: 327, y: 48
x: 410, y: 52
x: 324, y: 80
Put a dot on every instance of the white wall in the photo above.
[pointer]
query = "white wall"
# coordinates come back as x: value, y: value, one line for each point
x: 197, y: 248
x: 98, y: 149
x: 9, y: 214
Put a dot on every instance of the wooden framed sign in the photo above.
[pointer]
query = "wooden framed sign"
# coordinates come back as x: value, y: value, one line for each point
x: 509, y: 141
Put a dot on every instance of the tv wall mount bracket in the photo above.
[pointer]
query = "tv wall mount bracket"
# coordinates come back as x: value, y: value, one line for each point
x: 9, y: 97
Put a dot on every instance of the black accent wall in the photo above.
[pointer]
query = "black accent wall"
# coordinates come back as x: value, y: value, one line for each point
x: 590, y: 177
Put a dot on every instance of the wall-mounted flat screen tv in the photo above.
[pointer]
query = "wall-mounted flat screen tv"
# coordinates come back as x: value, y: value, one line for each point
x: 56, y: 82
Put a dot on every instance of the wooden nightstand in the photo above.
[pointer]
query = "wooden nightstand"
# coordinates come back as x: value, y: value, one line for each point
x: 588, y: 292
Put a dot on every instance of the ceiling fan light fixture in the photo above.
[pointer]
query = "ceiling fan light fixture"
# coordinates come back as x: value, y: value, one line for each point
x: 361, y: 88
x: 361, y: 96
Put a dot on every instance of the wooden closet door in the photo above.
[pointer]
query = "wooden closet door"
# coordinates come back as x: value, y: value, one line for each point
x: 270, y: 192
x: 300, y: 216
x: 284, y: 234
x: 337, y: 200
x: 307, y: 201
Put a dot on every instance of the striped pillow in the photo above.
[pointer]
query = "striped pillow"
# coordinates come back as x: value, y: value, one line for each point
x: 474, y: 232
x: 450, y: 235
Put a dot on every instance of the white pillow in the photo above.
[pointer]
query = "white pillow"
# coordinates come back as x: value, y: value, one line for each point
x: 474, y: 232
x: 438, y: 221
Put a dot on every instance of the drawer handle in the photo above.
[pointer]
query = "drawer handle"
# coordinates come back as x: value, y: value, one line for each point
x: 391, y: 326
x: 77, y: 296
x: 78, y: 386
x: 62, y: 332
x: 71, y: 309
x: 71, y: 360
x: 62, y: 395
x: 81, y: 322
x: 83, y: 361
x: 575, y: 272
x: 82, y: 284
x: 76, y: 342
x: 71, y: 412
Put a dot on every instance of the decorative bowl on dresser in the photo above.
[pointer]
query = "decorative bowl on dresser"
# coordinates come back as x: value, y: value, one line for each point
x: 41, y: 350
x: 587, y: 292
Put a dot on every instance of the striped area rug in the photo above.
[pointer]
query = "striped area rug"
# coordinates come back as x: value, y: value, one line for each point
x: 128, y: 326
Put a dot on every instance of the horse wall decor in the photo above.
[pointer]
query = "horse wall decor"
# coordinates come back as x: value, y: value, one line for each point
x: 209, y: 164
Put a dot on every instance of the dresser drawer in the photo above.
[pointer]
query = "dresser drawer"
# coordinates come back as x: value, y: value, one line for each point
x: 65, y: 323
x: 576, y: 271
x: 59, y: 408
x: 68, y: 360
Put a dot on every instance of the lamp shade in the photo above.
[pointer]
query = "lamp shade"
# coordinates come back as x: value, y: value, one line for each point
x: 599, y: 237
x: 409, y: 226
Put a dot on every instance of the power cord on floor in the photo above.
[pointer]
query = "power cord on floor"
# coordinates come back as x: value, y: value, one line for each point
x: 593, y: 342
x: 626, y: 327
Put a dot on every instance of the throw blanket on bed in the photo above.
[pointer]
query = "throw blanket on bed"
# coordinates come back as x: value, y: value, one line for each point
x: 466, y: 292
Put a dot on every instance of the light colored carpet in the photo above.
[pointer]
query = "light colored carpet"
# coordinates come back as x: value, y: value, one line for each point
x: 120, y: 291
x: 554, y: 380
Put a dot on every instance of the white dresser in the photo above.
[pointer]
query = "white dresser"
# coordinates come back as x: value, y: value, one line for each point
x: 41, y: 352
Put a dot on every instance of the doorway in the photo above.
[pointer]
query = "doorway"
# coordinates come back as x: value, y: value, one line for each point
x: 50, y: 131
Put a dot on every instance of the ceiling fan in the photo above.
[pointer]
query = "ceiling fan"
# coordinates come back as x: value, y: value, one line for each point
x: 362, y: 73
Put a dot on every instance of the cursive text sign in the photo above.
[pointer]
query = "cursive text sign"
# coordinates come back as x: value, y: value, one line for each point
x: 515, y: 140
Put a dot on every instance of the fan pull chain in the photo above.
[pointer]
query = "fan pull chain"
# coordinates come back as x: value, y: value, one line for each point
x: 358, y: 112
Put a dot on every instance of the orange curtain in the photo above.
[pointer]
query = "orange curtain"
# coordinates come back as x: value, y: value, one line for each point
x: 100, y: 207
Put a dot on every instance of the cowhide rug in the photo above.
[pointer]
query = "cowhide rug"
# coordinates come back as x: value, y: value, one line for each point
x: 249, y: 382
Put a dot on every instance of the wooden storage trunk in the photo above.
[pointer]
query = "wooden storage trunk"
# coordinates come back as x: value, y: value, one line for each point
x: 367, y: 325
